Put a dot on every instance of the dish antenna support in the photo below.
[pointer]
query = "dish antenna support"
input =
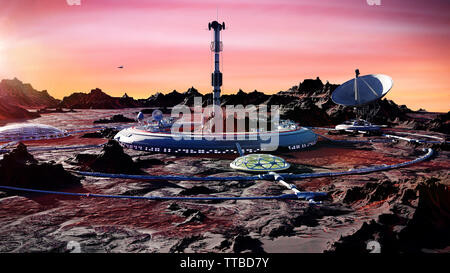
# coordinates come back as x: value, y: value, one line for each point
x: 363, y: 93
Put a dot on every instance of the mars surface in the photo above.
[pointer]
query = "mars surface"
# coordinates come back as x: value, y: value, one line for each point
x: 405, y: 209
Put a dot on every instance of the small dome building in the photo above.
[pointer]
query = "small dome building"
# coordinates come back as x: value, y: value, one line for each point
x: 30, y: 131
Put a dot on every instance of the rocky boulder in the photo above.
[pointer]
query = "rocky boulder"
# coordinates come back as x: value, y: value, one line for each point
x: 114, y: 119
x: 20, y: 169
x: 112, y: 159
x: 9, y: 112
x: 108, y: 133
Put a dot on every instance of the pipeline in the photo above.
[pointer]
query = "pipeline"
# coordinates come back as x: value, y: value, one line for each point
x: 309, y: 196
x: 174, y: 177
x: 416, y: 140
x: 390, y: 138
x: 4, y: 146
x: 415, y: 134
x: 34, y: 149
x: 355, y: 141
x: 258, y: 177
x: 41, y: 149
x: 362, y: 170
x: 155, y: 198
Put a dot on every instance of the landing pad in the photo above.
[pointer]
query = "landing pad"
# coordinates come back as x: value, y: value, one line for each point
x: 259, y: 163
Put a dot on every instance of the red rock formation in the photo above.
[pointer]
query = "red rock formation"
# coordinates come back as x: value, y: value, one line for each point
x: 20, y: 169
x: 15, y: 92
x: 96, y: 99
x: 8, y: 112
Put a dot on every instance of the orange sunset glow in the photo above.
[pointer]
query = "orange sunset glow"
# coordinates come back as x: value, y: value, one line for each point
x: 269, y: 45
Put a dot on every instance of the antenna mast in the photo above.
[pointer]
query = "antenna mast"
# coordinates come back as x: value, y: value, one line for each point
x: 216, y: 47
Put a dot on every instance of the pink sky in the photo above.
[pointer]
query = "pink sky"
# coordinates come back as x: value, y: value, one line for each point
x: 268, y: 45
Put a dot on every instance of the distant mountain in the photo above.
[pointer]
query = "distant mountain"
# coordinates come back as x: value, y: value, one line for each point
x: 97, y: 99
x: 129, y: 101
x: 308, y: 103
x: 244, y: 98
x: 165, y: 100
x: 15, y: 92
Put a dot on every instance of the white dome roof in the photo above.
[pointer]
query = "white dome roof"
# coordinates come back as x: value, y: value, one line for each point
x: 22, y: 131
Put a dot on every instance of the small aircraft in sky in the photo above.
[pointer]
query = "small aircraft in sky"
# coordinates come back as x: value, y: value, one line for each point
x: 120, y: 67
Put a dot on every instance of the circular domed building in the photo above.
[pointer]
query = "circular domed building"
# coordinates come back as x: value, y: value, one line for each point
x: 30, y: 131
x: 259, y: 163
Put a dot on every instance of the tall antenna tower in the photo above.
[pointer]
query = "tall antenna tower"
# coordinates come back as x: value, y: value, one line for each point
x: 216, y: 47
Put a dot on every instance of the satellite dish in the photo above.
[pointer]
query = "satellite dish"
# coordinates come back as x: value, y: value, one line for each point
x: 157, y: 115
x: 362, y: 90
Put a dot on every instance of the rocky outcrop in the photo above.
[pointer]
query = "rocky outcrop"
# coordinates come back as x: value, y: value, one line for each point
x: 190, y: 95
x: 22, y: 94
x: 16, y: 96
x: 114, y: 119
x: 243, y: 98
x: 112, y: 159
x: 10, y: 112
x: 108, y: 133
x: 128, y: 101
x: 306, y: 113
x: 419, y: 219
x: 165, y: 100
x: 97, y: 99
x: 245, y: 243
x: 20, y: 169
x: 440, y: 124
x: 370, y: 192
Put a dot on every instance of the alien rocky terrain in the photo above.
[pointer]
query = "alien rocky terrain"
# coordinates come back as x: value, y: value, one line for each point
x: 405, y: 210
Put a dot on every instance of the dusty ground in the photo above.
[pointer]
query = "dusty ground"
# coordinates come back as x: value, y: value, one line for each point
x: 345, y: 222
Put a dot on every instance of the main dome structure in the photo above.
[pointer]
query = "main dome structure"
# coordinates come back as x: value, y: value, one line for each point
x: 30, y: 131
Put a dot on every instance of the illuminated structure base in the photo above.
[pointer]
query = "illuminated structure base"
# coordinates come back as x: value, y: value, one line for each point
x: 357, y: 125
x: 196, y: 143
